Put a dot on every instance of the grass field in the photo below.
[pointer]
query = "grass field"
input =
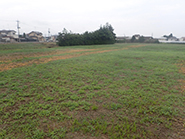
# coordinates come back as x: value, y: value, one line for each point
x: 126, y: 91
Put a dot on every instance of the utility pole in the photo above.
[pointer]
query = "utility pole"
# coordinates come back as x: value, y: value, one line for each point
x: 48, y: 32
x: 18, y: 30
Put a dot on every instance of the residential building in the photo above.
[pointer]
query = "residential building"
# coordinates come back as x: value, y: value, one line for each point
x: 172, y: 39
x: 8, y: 36
x: 148, y: 37
x: 123, y: 38
x: 162, y: 39
x: 137, y: 36
x: 182, y: 39
x: 52, y: 38
x: 36, y: 36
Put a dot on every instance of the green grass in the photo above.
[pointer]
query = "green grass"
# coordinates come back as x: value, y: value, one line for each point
x: 133, y: 93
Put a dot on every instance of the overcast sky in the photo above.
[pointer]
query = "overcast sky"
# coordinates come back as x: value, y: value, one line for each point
x: 128, y: 17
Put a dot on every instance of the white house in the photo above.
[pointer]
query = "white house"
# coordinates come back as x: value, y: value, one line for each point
x: 8, y: 35
x: 52, y: 38
x: 137, y: 36
x: 162, y: 39
x: 172, y: 39
x: 182, y: 39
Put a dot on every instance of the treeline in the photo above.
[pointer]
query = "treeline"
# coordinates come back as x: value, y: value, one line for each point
x: 140, y: 39
x: 143, y: 39
x: 104, y: 35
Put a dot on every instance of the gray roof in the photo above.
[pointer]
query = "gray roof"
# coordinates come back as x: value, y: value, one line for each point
x: 36, y: 32
x: 137, y: 35
x: 147, y: 37
x: 172, y: 38
x: 6, y: 31
x: 123, y: 38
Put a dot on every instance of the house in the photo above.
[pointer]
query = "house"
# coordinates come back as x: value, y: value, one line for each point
x: 148, y: 37
x: 52, y: 38
x: 137, y: 36
x: 35, y: 35
x: 162, y: 39
x: 120, y: 38
x: 9, y: 33
x: 8, y: 36
x: 123, y: 38
x: 182, y: 39
x: 172, y: 39
x: 1, y: 38
x: 7, y: 39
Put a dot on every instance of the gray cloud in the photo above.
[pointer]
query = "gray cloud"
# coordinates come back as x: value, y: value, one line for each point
x: 127, y: 17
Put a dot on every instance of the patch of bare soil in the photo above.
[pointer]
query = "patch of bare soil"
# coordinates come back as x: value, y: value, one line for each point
x: 18, y: 56
x: 10, y: 65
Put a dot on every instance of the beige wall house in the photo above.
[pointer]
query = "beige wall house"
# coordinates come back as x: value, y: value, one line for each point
x: 36, y: 35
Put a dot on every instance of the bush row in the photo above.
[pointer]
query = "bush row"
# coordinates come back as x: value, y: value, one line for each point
x: 104, y: 35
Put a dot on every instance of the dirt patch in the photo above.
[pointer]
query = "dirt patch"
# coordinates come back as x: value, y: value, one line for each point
x: 136, y: 46
x: 10, y: 65
x: 17, y: 56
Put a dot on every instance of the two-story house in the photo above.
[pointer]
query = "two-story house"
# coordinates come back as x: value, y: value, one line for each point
x: 8, y: 36
x: 36, y: 36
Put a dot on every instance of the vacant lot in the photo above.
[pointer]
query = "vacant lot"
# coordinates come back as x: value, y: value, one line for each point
x: 92, y: 92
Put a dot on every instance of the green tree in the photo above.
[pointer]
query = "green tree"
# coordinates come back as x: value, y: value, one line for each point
x: 24, y: 35
x: 133, y: 39
x: 104, y: 35
x: 141, y: 39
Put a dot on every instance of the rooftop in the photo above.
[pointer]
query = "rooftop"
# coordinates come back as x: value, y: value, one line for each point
x: 6, y: 31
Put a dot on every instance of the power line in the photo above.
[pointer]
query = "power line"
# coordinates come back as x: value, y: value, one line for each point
x: 35, y: 27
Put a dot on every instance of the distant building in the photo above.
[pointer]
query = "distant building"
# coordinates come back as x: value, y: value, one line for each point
x: 182, y: 39
x: 8, y: 36
x: 52, y: 38
x: 123, y: 38
x: 137, y: 36
x: 120, y: 38
x: 173, y: 39
x: 162, y: 39
x: 148, y: 37
x: 9, y: 33
x: 35, y: 35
